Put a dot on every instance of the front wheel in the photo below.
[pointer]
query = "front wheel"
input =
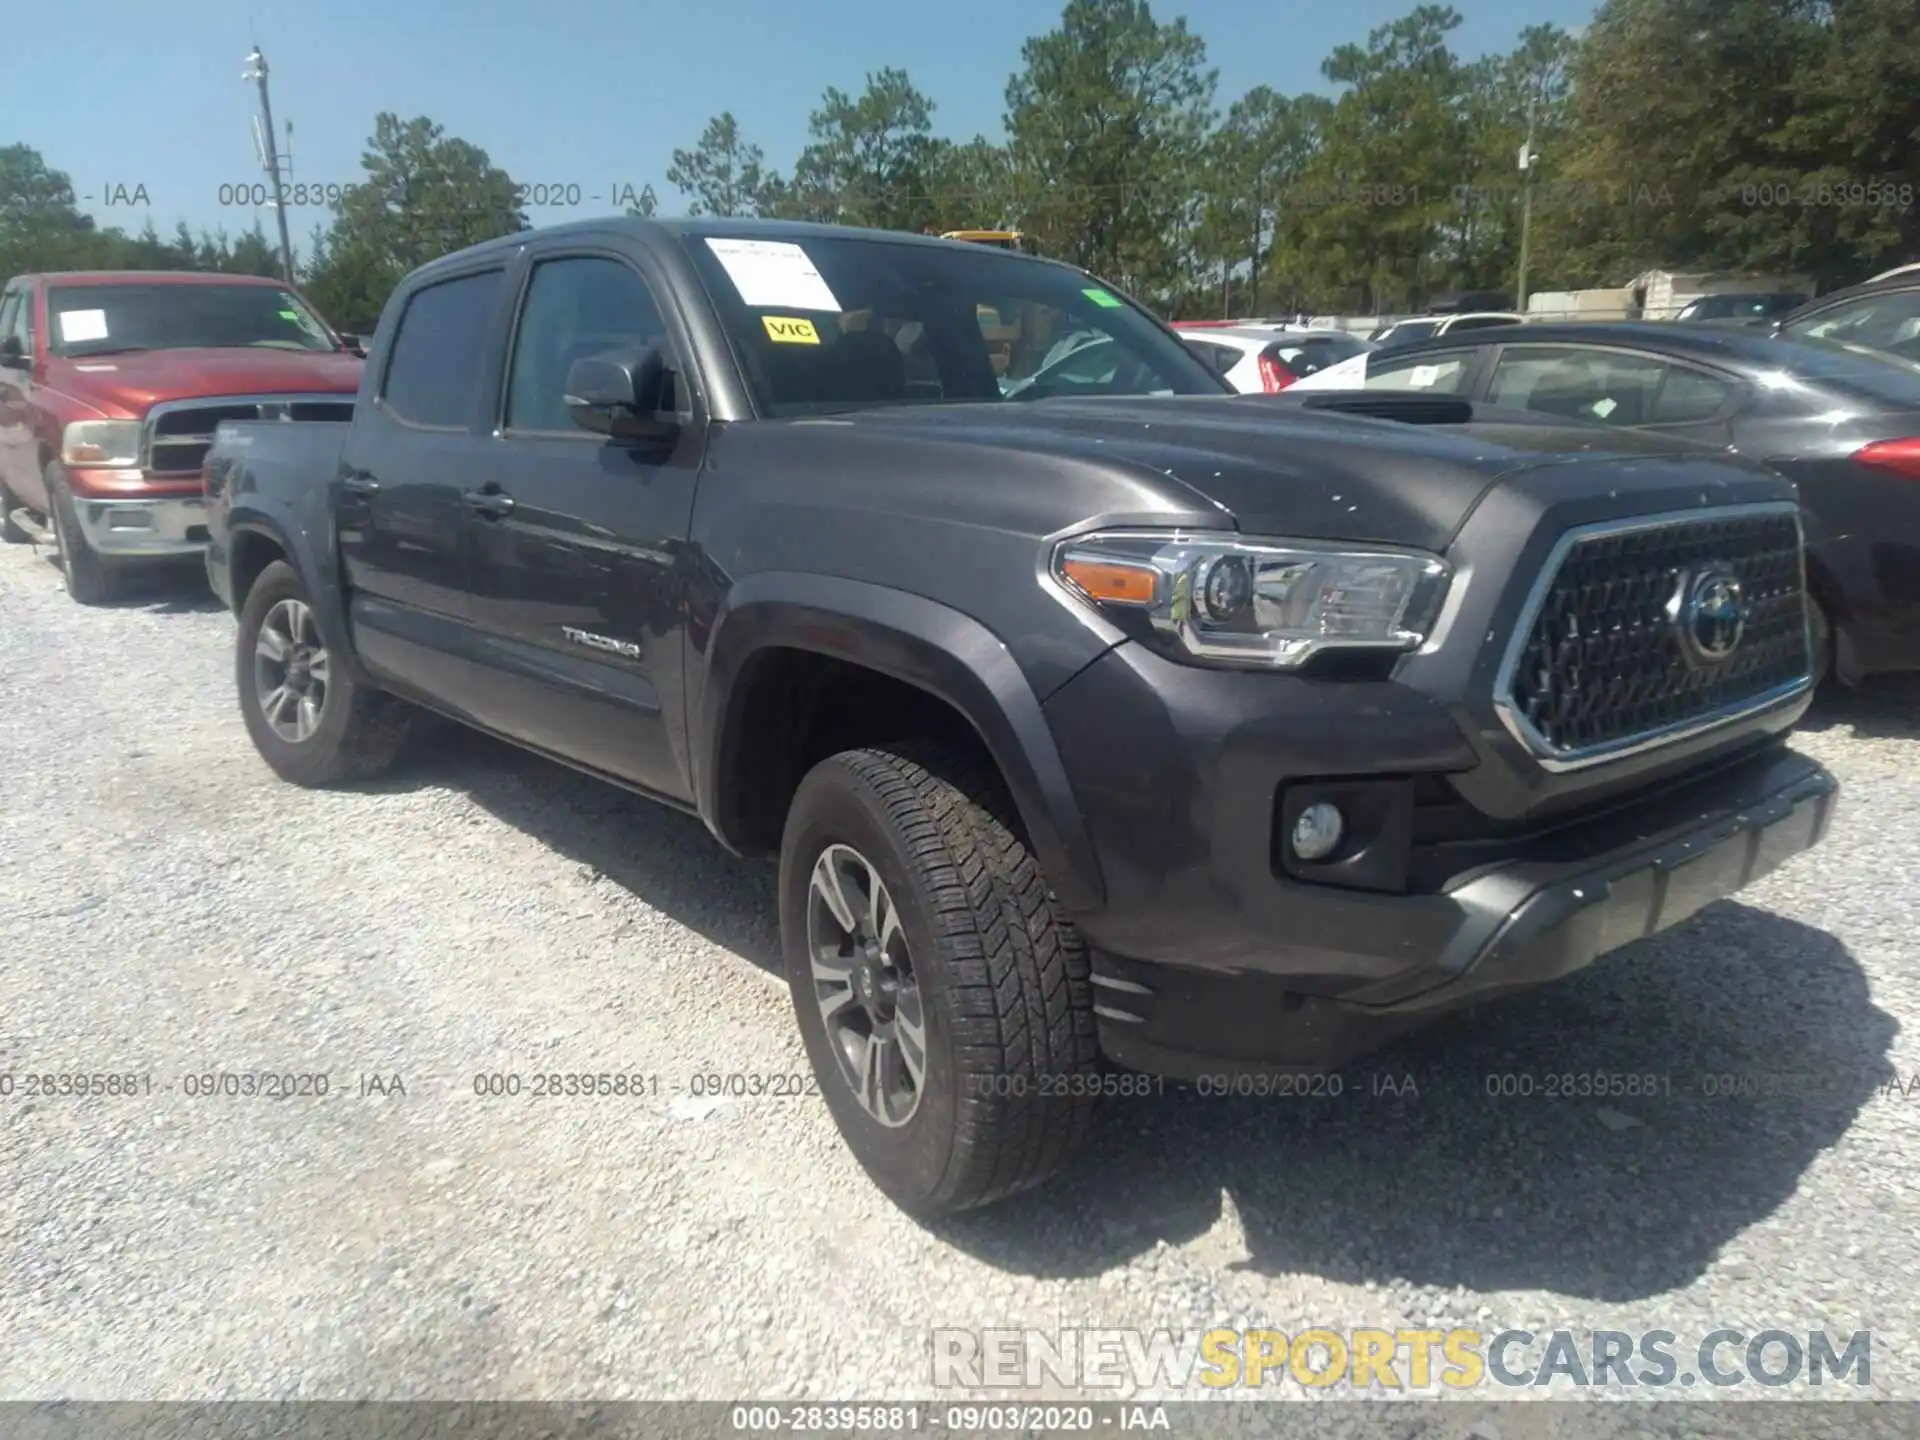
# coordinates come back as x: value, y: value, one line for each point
x: 311, y: 722
x: 1820, y: 641
x: 944, y: 999
x: 89, y: 578
x: 10, y: 529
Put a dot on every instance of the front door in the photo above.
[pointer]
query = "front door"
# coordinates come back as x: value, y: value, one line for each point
x: 397, y: 496
x: 574, y: 539
x: 19, y: 442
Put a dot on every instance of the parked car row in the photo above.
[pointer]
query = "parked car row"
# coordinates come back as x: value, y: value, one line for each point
x: 1841, y: 420
x: 1101, y: 718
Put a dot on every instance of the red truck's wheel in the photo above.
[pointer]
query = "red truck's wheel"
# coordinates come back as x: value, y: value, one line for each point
x: 10, y: 530
x: 944, y: 999
x: 309, y: 720
x: 89, y: 579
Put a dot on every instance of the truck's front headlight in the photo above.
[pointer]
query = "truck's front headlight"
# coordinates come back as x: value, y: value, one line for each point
x: 1266, y: 604
x: 101, y: 442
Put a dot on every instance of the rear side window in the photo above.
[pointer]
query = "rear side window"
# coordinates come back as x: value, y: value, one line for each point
x: 437, y: 350
x: 1687, y: 396
x: 1310, y: 357
x: 1442, y: 372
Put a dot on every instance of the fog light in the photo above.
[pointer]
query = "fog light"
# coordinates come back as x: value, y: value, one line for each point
x: 1318, y: 830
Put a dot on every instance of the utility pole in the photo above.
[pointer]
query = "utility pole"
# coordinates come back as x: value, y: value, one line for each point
x: 1527, y: 157
x: 257, y: 70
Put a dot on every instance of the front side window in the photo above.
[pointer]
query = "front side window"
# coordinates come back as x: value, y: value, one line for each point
x: 576, y: 307
x: 1442, y: 372
x: 119, y: 319
x: 839, y: 323
x: 1879, y: 322
x: 434, y: 365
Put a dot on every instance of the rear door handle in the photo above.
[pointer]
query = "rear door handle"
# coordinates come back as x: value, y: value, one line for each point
x: 491, y: 503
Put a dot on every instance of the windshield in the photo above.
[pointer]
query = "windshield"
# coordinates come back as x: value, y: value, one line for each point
x: 114, y: 319
x: 843, y: 323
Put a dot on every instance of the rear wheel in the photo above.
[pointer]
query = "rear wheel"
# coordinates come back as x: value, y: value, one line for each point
x: 312, y: 723
x: 943, y: 997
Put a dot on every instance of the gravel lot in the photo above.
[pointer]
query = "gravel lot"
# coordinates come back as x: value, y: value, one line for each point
x: 167, y: 907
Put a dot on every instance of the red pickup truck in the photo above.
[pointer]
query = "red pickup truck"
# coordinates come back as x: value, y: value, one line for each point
x: 111, y: 385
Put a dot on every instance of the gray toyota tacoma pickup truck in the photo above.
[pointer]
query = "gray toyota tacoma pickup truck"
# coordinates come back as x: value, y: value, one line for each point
x: 1102, y: 721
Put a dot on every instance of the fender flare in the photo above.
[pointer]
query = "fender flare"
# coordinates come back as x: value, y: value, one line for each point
x: 923, y: 643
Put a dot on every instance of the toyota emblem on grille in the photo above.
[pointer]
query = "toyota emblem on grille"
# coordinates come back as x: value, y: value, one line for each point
x: 1709, y: 613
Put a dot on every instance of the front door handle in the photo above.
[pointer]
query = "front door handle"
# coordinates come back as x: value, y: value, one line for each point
x: 359, y: 484
x: 491, y: 503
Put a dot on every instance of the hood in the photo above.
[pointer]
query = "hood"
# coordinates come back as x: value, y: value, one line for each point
x: 126, y: 385
x: 1279, y: 470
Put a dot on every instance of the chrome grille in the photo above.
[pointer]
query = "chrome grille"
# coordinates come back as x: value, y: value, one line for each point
x: 1601, y: 662
x: 178, y: 433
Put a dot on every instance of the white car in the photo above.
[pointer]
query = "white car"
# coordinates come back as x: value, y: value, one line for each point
x: 1260, y: 360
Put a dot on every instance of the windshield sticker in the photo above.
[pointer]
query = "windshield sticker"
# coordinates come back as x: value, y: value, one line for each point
x: 78, y: 325
x: 1103, y: 298
x: 773, y: 273
x: 293, y: 315
x: 790, y: 330
x: 1605, y: 406
x: 1423, y: 376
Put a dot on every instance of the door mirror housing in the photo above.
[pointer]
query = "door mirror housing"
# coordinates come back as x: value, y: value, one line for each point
x: 354, y: 345
x: 13, y: 354
x: 620, y: 394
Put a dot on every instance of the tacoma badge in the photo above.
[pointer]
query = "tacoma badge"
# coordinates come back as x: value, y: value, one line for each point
x: 601, y: 642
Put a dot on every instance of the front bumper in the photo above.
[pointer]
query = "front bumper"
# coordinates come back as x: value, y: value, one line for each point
x: 143, y: 528
x: 1509, y: 927
x: 1212, y: 954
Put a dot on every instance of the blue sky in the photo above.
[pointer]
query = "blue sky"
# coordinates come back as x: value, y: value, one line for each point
x: 593, y: 93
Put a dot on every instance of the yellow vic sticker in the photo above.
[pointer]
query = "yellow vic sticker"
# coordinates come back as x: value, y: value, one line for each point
x: 790, y: 330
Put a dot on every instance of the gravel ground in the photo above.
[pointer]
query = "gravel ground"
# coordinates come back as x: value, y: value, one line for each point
x: 168, y: 908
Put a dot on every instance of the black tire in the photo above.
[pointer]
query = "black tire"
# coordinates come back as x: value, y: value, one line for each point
x: 360, y: 729
x: 90, y: 580
x: 1820, y: 638
x: 10, y: 531
x: 1012, y: 1058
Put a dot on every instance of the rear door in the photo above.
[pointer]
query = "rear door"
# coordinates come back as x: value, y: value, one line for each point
x: 397, y: 497
x: 575, y: 538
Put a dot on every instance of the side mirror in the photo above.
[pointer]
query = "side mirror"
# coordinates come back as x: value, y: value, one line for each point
x: 619, y: 394
x: 13, y: 354
x: 355, y: 345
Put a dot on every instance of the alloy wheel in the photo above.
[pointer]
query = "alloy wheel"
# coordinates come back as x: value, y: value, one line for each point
x: 864, y: 984
x: 290, y: 671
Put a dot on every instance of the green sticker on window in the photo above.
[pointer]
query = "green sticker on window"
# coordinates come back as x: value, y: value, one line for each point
x: 293, y: 315
x: 1102, y: 297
